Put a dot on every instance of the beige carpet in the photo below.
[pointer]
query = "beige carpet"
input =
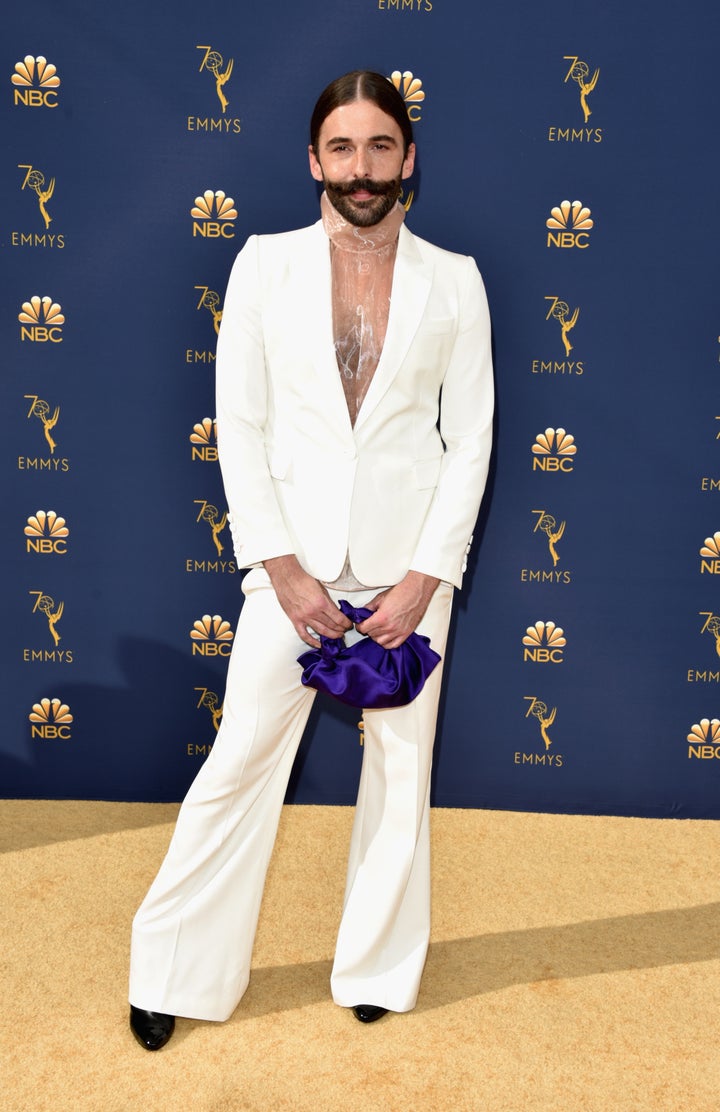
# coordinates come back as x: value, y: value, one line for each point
x: 575, y: 965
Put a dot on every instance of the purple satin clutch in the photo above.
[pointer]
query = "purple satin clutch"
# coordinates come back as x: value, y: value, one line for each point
x: 365, y: 674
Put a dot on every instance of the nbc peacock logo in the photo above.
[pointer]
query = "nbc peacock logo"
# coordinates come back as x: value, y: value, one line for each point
x: 704, y: 740
x: 204, y: 441
x: 46, y: 533
x: 213, y: 215
x: 211, y: 636
x: 544, y: 643
x: 554, y: 450
x: 710, y: 552
x: 569, y: 225
x: 41, y: 320
x: 410, y: 88
x: 50, y: 720
x: 35, y: 82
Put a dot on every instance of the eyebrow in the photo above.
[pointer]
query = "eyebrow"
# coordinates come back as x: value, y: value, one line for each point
x: 372, y: 139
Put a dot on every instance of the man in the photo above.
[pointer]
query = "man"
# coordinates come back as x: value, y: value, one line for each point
x: 354, y: 410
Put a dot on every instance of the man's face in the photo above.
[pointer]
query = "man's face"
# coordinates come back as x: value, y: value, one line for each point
x: 360, y: 161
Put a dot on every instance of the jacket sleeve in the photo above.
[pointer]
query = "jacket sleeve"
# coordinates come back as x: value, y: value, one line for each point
x: 242, y: 398
x: 466, y: 415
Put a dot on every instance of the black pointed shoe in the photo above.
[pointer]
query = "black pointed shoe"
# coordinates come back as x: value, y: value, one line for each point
x: 151, y: 1029
x: 368, y: 1013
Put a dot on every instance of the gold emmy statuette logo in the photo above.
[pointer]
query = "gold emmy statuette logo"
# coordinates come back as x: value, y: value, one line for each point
x: 710, y: 553
x: 711, y: 626
x: 50, y: 719
x: 211, y: 636
x: 36, y: 82
x: 544, y: 643
x: 704, y: 739
x: 411, y: 90
x: 539, y: 710
x: 553, y: 450
x: 210, y: 700
x: 213, y: 214
x: 569, y: 224
x: 209, y: 513
x: 35, y: 180
x: 41, y: 319
x: 204, y: 440
x: 210, y: 300
x: 41, y: 410
x: 547, y: 524
x: 44, y: 604
x: 213, y: 63
x: 46, y: 533
x: 579, y: 72
x: 560, y: 310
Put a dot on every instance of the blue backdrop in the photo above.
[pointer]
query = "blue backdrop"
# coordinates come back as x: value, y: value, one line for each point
x: 574, y: 154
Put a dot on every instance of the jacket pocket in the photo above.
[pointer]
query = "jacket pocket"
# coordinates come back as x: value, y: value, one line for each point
x: 427, y: 472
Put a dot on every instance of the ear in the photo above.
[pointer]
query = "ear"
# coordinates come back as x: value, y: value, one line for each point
x: 315, y: 167
x: 409, y: 163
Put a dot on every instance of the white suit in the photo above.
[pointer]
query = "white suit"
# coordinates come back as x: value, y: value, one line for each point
x: 398, y: 490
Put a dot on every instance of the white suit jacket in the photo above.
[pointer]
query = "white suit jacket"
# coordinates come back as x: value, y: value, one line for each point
x: 399, y: 490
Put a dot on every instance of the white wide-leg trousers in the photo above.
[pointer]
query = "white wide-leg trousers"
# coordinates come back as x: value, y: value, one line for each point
x: 193, y: 935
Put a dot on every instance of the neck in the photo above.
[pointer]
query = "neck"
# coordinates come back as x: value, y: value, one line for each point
x: 349, y: 237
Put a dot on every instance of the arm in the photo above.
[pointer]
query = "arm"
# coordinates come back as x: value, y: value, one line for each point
x: 466, y: 414
x: 466, y: 429
x: 258, y: 529
x: 256, y: 522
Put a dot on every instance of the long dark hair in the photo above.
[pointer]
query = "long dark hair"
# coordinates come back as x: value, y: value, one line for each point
x: 361, y: 85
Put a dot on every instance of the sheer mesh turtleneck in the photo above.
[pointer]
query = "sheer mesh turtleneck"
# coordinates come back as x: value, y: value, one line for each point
x: 362, y: 261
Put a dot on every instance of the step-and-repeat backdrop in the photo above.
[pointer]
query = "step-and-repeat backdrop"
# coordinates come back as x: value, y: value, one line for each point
x: 573, y: 152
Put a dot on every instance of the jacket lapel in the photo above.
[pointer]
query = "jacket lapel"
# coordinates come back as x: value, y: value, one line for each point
x: 412, y: 280
x: 312, y: 283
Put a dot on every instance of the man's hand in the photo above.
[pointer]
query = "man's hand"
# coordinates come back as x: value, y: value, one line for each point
x: 398, y: 611
x: 305, y: 601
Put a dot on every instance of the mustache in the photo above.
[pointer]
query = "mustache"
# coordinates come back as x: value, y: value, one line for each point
x: 377, y: 188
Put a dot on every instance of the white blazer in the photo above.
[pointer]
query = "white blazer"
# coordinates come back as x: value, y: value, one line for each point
x: 399, y: 490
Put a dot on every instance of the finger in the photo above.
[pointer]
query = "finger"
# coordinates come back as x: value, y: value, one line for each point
x: 378, y: 634
x: 374, y: 603
x: 305, y: 635
x: 330, y: 626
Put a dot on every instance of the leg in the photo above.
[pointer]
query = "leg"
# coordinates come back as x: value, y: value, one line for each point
x: 385, y: 929
x: 193, y: 935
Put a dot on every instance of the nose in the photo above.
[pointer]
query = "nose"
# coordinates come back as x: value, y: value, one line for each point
x: 361, y: 163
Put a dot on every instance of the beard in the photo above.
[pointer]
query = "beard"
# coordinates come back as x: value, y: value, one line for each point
x: 363, y: 214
